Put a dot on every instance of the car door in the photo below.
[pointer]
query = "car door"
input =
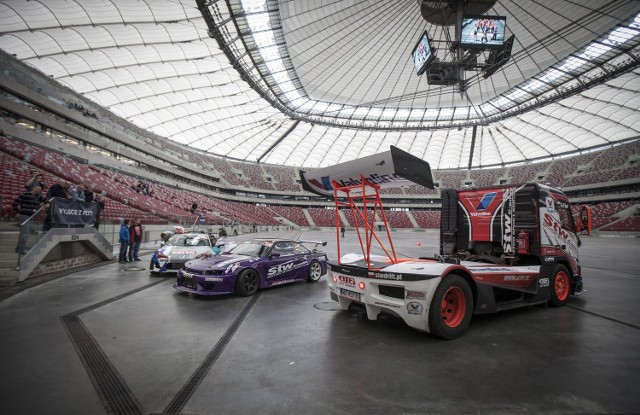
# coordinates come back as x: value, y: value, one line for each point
x: 281, y: 262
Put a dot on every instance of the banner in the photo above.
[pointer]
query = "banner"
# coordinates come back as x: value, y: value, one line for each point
x: 393, y: 168
x: 72, y: 212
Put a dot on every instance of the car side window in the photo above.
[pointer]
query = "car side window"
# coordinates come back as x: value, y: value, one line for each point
x: 283, y: 248
x: 566, y: 219
x: 299, y: 249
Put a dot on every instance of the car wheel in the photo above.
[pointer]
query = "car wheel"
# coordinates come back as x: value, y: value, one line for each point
x: 560, y: 285
x: 451, y: 308
x: 315, y: 271
x: 247, y: 283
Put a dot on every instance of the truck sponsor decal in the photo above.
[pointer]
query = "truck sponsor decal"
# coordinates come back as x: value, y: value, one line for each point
x: 416, y: 295
x: 415, y: 308
x: 349, y: 281
x: 507, y: 225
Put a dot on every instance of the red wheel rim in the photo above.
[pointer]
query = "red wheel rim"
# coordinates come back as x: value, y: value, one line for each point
x: 562, y: 285
x: 454, y: 306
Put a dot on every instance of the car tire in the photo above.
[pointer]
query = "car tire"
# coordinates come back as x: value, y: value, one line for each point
x: 315, y: 272
x: 247, y: 282
x: 451, y: 308
x: 559, y: 286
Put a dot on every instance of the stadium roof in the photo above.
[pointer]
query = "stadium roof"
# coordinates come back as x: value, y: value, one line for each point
x: 315, y: 83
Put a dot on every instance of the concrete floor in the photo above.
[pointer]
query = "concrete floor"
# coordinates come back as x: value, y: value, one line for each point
x: 116, y: 340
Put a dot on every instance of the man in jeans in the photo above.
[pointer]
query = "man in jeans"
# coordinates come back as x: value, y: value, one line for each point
x: 26, y: 205
x: 124, y: 241
x: 135, y: 237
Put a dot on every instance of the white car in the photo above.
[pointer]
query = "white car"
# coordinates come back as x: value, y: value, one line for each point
x: 179, y: 249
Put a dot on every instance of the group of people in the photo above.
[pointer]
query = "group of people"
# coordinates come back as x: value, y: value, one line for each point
x: 33, y: 198
x: 130, y: 240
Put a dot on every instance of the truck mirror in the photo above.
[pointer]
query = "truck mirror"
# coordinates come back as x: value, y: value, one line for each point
x: 585, y: 219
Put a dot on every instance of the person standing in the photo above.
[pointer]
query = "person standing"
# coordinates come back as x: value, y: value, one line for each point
x: 124, y: 241
x: 135, y: 238
x: 342, y: 229
x: 57, y: 190
x: 26, y: 205
x: 99, y: 200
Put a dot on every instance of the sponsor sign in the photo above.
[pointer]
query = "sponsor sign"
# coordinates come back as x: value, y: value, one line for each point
x: 507, y: 225
x: 544, y: 282
x: 284, y: 268
x: 388, y: 305
x: 349, y: 281
x: 72, y: 212
x: 214, y: 279
x: 387, y: 276
x: 509, y: 278
x: 415, y: 308
x: 415, y: 295
x: 350, y: 294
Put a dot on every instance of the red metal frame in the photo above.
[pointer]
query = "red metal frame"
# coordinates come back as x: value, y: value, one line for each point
x: 369, y: 195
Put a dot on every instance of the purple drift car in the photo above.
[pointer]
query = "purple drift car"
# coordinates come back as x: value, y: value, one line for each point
x: 253, y: 264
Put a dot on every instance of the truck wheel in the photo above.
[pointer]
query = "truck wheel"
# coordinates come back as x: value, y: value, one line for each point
x: 247, y: 283
x: 451, y: 308
x: 560, y: 286
x: 315, y: 271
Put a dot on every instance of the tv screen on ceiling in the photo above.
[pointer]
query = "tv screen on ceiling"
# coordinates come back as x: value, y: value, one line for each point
x: 422, y: 54
x: 484, y: 32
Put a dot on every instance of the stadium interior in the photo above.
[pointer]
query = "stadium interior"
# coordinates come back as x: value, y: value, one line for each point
x: 203, y: 114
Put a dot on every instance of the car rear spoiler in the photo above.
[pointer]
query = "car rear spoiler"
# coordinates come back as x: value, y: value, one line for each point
x: 323, y: 243
x: 391, y: 168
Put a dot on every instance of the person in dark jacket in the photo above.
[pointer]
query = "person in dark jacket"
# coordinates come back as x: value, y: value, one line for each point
x: 99, y: 200
x: 57, y: 190
x: 124, y: 241
x: 25, y: 206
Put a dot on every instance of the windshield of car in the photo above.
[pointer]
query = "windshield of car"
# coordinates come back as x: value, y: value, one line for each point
x: 250, y: 248
x: 189, y: 240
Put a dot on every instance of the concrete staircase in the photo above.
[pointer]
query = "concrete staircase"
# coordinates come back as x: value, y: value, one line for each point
x: 9, y: 230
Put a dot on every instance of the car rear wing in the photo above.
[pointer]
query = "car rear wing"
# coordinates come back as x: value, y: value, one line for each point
x: 393, y: 168
x: 359, y: 183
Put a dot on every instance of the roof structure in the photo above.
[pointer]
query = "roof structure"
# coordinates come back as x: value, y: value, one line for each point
x: 316, y: 83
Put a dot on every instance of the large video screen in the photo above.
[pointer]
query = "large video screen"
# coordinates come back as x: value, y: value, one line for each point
x: 422, y: 54
x: 484, y: 32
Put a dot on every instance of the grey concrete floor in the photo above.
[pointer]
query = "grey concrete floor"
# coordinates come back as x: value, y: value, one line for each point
x: 114, y: 339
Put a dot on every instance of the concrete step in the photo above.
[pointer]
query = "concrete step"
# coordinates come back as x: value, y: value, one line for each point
x: 8, y: 264
x: 7, y: 279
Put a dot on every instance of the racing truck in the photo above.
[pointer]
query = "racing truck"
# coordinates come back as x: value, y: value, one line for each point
x: 501, y: 247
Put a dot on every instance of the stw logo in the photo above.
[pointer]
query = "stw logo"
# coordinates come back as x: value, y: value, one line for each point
x: 279, y: 269
x: 486, y: 201
x: 555, y: 225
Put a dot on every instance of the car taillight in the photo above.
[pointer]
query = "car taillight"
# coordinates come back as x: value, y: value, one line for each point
x: 361, y: 285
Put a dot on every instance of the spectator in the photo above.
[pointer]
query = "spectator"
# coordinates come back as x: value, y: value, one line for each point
x: 25, y: 206
x: 135, y: 238
x: 37, y: 179
x: 88, y: 195
x: 216, y: 249
x: 124, y: 241
x: 194, y: 206
x: 342, y: 231
x: 100, y: 202
x: 57, y: 190
x: 222, y: 232
x: 77, y: 193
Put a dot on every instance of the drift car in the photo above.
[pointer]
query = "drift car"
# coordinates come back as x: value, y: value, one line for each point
x: 179, y: 249
x: 254, y: 264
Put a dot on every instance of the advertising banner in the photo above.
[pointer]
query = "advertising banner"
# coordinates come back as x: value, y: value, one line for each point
x: 72, y: 212
x: 393, y: 168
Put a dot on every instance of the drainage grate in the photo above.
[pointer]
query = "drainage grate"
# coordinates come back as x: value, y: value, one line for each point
x: 113, y: 391
x: 185, y: 393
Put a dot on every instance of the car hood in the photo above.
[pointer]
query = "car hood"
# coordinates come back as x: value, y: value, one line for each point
x: 183, y: 251
x: 219, y: 262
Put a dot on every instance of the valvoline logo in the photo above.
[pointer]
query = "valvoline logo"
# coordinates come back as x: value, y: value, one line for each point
x: 326, y: 183
x: 486, y: 201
